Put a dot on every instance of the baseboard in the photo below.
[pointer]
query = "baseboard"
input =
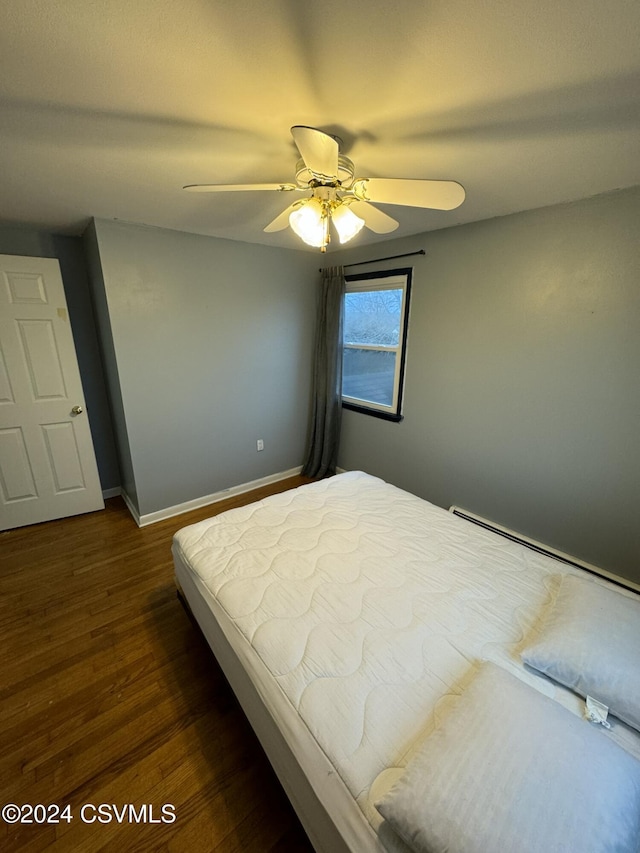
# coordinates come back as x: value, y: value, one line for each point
x: 541, y: 548
x: 111, y: 493
x: 206, y: 500
x: 134, y: 512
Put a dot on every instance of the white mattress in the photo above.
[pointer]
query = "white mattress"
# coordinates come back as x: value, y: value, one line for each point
x: 360, y: 612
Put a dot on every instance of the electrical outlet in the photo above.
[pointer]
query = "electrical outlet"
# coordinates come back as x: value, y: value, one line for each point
x: 260, y: 444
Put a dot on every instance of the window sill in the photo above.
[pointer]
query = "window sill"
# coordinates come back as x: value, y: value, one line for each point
x: 375, y: 413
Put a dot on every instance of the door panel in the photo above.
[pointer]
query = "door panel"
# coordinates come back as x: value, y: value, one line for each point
x: 63, y: 456
x: 26, y: 288
x: 16, y: 476
x: 6, y: 392
x: 42, y: 359
x: 47, y: 462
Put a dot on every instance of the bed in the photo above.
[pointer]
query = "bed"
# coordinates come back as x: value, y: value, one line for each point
x: 359, y: 624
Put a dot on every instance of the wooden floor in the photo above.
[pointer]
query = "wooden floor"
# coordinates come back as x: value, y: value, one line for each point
x: 109, y: 694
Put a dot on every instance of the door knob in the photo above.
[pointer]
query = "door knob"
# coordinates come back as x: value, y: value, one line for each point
x: 77, y: 410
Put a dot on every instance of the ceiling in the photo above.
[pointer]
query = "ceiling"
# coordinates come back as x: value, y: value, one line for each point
x: 108, y: 107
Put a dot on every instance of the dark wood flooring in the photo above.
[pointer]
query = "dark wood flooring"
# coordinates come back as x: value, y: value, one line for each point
x: 110, y: 695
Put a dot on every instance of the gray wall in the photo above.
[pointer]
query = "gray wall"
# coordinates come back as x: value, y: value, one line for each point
x: 522, y: 399
x: 103, y: 327
x: 522, y: 392
x: 210, y: 343
x: 17, y: 240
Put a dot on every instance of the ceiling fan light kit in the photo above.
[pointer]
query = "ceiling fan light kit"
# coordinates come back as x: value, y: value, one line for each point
x: 311, y: 219
x: 338, y: 197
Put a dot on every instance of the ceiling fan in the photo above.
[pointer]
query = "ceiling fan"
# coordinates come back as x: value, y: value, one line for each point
x: 337, y: 196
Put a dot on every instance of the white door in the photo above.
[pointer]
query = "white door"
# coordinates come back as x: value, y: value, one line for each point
x: 47, y: 462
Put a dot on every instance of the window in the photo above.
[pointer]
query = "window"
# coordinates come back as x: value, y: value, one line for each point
x: 376, y: 314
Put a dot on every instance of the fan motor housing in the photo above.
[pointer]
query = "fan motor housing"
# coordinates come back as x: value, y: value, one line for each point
x: 305, y: 176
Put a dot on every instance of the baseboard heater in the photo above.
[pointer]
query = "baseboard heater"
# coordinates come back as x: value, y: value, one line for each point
x: 533, y: 545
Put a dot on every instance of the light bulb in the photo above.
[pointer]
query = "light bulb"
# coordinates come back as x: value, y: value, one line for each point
x: 346, y: 222
x: 307, y: 223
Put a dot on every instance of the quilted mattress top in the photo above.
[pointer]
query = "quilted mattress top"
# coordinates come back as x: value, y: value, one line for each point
x: 372, y: 609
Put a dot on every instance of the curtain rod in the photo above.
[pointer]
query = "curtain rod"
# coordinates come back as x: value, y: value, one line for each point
x: 390, y: 258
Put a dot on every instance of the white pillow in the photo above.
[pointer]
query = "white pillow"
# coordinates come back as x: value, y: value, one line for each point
x: 590, y: 642
x: 512, y: 770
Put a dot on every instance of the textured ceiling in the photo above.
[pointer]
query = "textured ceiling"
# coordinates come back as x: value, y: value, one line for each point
x: 107, y: 107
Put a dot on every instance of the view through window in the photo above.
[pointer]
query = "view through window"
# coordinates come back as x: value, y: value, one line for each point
x: 375, y: 326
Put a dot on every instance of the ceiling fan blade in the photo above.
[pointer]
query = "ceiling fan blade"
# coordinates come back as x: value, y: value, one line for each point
x: 232, y: 188
x: 438, y: 195
x: 374, y: 219
x: 282, y: 220
x: 318, y: 150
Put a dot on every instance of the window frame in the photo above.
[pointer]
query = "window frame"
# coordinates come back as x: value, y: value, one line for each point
x: 383, y: 280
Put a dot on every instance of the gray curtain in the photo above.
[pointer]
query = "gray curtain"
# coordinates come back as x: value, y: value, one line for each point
x: 327, y: 377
